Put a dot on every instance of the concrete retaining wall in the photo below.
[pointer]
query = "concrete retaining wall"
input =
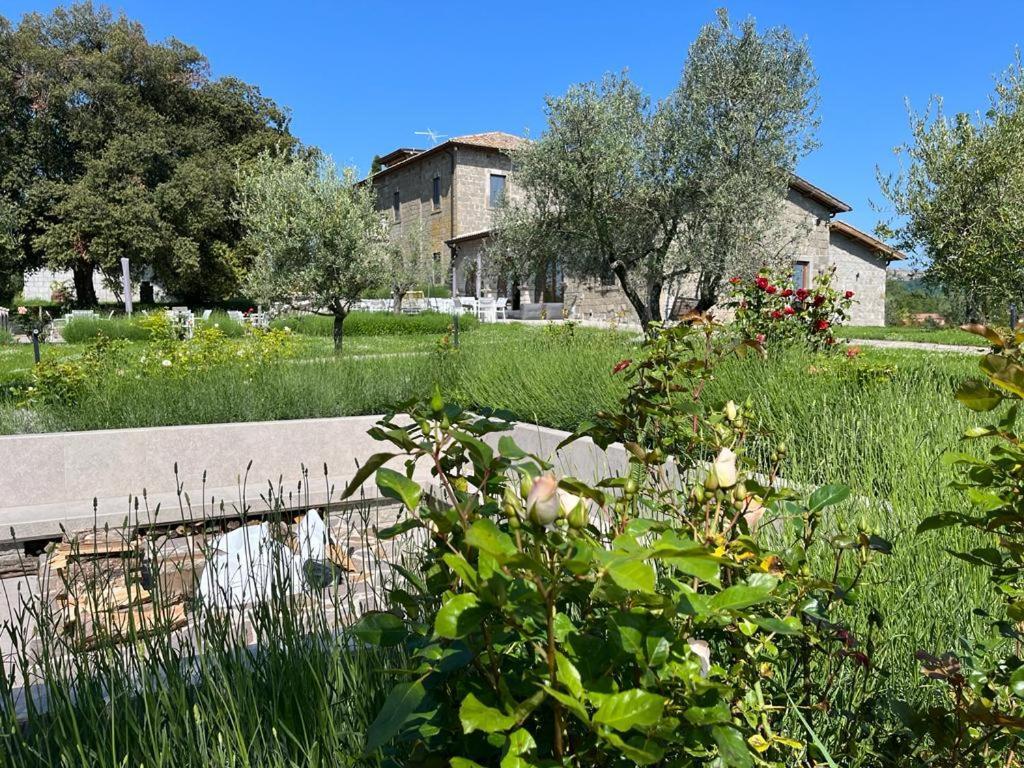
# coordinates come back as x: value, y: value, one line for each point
x: 50, y: 480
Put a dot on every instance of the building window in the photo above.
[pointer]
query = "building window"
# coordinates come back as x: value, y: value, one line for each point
x: 396, y: 206
x: 437, y: 193
x: 497, y: 190
x: 801, y: 274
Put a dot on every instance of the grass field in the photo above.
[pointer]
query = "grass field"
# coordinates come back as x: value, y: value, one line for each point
x: 878, y: 423
x: 912, y: 333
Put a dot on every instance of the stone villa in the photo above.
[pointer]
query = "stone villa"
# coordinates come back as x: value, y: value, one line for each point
x: 450, y: 192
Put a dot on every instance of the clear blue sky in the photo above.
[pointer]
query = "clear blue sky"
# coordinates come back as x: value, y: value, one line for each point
x: 361, y: 77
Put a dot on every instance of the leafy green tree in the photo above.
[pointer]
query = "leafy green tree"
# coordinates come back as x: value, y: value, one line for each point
x: 115, y: 146
x: 689, y: 189
x: 315, y: 235
x: 959, y: 197
x: 408, y: 264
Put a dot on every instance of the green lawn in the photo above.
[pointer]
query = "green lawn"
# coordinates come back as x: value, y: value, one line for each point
x: 879, y: 423
x: 912, y: 333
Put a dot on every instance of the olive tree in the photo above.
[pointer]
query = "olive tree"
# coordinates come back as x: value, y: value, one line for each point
x: 408, y: 263
x: 314, y: 234
x: 959, y: 195
x: 690, y: 188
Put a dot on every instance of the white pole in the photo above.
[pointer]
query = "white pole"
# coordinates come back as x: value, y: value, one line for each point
x: 479, y: 270
x: 126, y: 286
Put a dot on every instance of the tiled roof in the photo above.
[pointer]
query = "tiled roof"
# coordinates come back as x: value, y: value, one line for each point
x: 491, y: 140
x: 873, y: 243
x: 497, y: 140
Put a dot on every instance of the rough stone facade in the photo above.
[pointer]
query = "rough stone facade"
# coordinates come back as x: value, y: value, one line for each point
x: 861, y: 270
x: 806, y: 236
x: 456, y: 231
x: 464, y: 207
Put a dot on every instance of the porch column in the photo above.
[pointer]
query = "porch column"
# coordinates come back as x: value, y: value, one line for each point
x: 455, y: 271
x: 479, y: 270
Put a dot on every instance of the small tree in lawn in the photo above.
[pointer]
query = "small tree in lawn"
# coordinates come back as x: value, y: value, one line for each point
x: 408, y: 264
x: 314, y: 234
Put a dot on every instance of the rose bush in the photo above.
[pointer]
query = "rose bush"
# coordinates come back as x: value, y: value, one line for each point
x: 644, y: 618
x: 769, y: 309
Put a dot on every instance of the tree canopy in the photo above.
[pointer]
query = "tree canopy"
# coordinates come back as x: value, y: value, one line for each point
x: 314, y: 234
x: 959, y: 198
x: 690, y: 188
x: 114, y: 146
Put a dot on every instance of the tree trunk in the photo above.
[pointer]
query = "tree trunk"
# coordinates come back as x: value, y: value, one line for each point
x: 339, y: 331
x: 643, y: 311
x: 707, y: 291
x: 396, y: 300
x: 85, y: 292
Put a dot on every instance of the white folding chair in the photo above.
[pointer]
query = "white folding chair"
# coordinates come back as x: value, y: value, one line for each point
x: 501, y: 308
x: 486, y: 310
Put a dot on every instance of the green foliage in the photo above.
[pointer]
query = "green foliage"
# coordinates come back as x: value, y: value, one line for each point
x: 67, y: 381
x: 314, y: 235
x: 629, y: 621
x: 771, y: 312
x: 985, y: 680
x: 904, y: 299
x: 376, y: 324
x: 140, y: 327
x: 958, y: 196
x: 616, y: 188
x: 150, y: 174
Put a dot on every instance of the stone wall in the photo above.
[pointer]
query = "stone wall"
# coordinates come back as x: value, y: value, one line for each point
x: 804, y: 235
x: 860, y: 270
x: 414, y: 182
x: 38, y: 284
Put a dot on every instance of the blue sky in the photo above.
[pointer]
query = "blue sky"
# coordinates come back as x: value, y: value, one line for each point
x: 361, y: 77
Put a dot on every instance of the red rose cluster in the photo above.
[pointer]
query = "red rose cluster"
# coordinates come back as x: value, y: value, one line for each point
x: 766, y: 310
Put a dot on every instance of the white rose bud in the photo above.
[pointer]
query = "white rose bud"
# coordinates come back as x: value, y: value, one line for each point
x: 724, y: 468
x: 542, y: 503
x: 731, y: 411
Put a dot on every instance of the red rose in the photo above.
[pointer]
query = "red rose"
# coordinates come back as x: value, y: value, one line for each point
x: 621, y: 366
x: 823, y: 325
x: 735, y: 280
x: 771, y: 289
x: 848, y: 294
x: 801, y: 294
x: 762, y: 283
x: 776, y: 314
x: 788, y: 310
x: 818, y: 300
x: 787, y: 293
x: 759, y: 338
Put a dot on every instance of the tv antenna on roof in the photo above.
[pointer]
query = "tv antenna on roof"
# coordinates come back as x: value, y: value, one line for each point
x: 434, y: 135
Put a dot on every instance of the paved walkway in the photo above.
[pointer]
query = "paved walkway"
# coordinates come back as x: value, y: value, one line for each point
x: 923, y: 346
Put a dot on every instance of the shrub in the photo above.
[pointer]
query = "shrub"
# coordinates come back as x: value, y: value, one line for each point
x: 985, y: 680
x: 376, y: 324
x: 631, y: 621
x: 81, y: 330
x: 142, y: 327
x: 771, y: 312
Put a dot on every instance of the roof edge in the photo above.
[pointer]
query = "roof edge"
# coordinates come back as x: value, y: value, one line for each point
x: 819, y: 195
x: 870, y: 241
